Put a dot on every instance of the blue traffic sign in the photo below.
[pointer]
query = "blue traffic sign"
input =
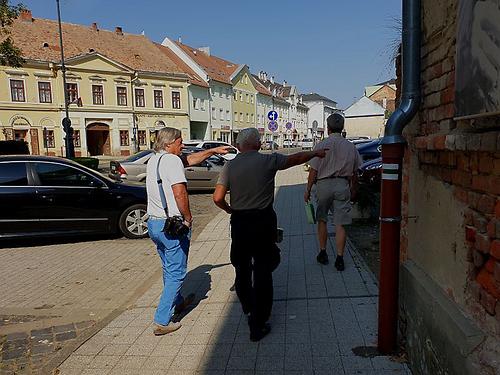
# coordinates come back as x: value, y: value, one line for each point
x: 288, y: 125
x: 273, y: 126
x: 272, y: 115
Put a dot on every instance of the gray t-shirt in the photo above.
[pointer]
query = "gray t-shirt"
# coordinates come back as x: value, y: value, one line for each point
x: 249, y: 177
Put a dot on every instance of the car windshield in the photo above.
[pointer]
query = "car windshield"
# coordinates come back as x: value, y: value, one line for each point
x: 137, y: 156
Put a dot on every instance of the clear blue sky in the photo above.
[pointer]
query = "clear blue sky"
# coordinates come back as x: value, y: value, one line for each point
x: 332, y: 47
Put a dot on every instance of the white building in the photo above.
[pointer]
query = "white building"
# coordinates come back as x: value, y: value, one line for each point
x: 320, y: 107
x: 216, y: 72
x: 365, y: 118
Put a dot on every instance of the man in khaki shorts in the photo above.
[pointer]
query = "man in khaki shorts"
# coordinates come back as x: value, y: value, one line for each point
x: 334, y: 175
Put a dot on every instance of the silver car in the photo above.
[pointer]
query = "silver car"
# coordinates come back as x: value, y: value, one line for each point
x: 203, y: 176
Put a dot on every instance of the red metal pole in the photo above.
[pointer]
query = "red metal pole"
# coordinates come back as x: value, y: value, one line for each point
x: 390, y: 223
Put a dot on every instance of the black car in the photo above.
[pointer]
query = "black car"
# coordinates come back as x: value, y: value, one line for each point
x: 370, y: 150
x: 44, y: 196
x: 370, y: 173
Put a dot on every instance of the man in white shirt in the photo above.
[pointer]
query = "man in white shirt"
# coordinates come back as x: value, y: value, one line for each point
x: 165, y: 171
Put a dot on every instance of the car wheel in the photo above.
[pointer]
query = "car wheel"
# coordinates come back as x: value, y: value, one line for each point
x: 133, y: 222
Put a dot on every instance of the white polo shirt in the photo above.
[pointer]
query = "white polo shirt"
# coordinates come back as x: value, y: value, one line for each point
x: 171, y: 172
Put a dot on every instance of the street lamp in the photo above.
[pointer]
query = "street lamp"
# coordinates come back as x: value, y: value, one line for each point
x: 66, y: 122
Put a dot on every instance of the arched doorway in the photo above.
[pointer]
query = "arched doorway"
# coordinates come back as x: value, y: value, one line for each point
x: 98, y: 139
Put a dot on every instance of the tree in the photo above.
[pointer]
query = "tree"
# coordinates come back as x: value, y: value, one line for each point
x: 9, y: 54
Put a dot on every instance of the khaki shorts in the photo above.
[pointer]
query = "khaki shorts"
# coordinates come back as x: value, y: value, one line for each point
x: 334, y: 194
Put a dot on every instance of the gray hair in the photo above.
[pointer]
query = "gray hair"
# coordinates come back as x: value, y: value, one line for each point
x: 164, y: 137
x: 248, y: 136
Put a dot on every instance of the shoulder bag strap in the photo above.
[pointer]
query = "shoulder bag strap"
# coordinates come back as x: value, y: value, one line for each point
x: 160, y: 186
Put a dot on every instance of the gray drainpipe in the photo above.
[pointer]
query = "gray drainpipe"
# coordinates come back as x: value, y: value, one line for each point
x: 393, y: 145
x: 410, y: 96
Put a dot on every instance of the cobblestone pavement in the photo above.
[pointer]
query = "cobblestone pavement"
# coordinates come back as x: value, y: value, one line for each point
x: 53, y: 294
x: 319, y: 315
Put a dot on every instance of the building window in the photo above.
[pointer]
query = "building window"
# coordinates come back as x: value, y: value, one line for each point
x: 202, y: 104
x: 248, y: 101
x: 97, y: 95
x: 252, y: 118
x: 214, y: 116
x: 76, y: 138
x: 139, y: 98
x: 195, y: 103
x: 176, y: 100
x: 124, y: 140
x: 241, y: 96
x: 158, y: 95
x: 17, y: 90
x: 228, y: 117
x: 235, y: 116
x: 72, y: 91
x: 241, y: 117
x: 221, y: 114
x: 49, y: 140
x: 251, y: 99
x: 44, y: 92
x: 221, y: 92
x: 141, y: 137
x: 248, y: 117
x: 121, y: 96
x: 235, y: 95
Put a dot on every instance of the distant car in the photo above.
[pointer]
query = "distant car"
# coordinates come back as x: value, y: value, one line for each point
x: 269, y: 145
x: 206, y: 145
x: 203, y: 176
x: 359, y: 140
x: 307, y: 144
x: 288, y: 143
x: 370, y: 150
x: 43, y: 196
x: 370, y: 173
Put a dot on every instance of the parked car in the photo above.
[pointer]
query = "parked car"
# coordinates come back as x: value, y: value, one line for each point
x: 206, y: 145
x: 307, y: 144
x: 46, y: 196
x: 203, y: 176
x: 269, y: 145
x: 359, y: 140
x: 370, y: 150
x: 370, y: 173
x: 290, y: 143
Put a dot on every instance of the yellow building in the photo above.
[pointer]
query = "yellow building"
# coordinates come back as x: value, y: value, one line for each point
x: 244, y: 101
x: 120, y: 86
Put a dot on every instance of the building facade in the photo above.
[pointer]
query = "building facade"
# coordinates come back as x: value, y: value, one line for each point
x: 244, y: 99
x: 119, y: 88
x: 365, y: 118
x: 320, y: 107
x: 217, y: 73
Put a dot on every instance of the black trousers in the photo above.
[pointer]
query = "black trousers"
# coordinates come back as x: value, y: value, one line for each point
x: 255, y: 256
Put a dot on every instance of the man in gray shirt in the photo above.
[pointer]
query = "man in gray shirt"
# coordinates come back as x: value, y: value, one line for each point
x: 250, y: 179
x: 334, y: 176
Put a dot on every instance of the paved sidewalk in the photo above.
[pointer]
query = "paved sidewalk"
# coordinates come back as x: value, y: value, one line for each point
x: 319, y: 314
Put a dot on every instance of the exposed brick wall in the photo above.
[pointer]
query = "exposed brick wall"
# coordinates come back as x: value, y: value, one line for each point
x: 465, y: 156
x: 387, y: 93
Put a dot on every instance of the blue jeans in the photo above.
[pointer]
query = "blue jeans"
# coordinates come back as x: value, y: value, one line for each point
x: 173, y: 253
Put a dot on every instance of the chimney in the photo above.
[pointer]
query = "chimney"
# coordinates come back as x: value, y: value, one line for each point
x: 284, y: 83
x: 264, y: 75
x: 94, y: 26
x: 205, y: 50
x: 180, y: 39
x: 26, y: 16
x: 118, y: 30
x: 272, y: 79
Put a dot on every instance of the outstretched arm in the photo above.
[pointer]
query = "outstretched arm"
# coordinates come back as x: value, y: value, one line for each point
x: 219, y: 198
x: 198, y: 157
x: 301, y: 157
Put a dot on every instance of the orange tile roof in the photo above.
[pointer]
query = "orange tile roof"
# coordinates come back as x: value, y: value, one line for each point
x: 261, y: 88
x: 194, y: 78
x: 135, y: 51
x: 216, y: 68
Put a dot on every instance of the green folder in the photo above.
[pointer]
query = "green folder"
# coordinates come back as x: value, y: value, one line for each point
x: 311, y: 217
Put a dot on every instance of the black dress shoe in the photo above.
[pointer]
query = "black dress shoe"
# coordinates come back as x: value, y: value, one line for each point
x: 322, y: 257
x: 259, y: 333
x: 339, y: 263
